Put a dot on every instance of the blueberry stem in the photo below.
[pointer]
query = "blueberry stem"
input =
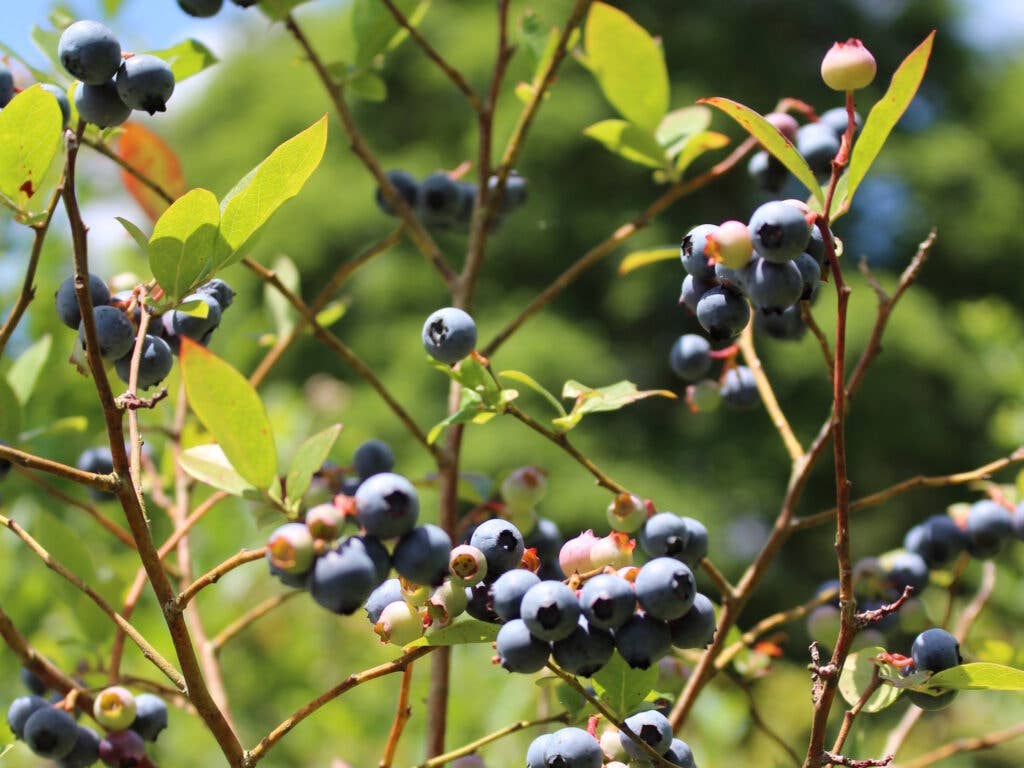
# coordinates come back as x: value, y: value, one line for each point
x: 764, y: 388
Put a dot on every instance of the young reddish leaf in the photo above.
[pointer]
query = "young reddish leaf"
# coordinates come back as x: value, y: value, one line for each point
x: 153, y: 158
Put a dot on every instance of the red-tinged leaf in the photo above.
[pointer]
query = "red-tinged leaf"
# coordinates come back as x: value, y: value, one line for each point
x: 153, y: 158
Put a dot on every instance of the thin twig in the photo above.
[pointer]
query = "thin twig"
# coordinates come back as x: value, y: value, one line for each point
x: 764, y: 388
x: 248, y: 618
x: 402, y: 712
x: 106, y: 483
x: 973, y: 744
x: 852, y: 712
x: 146, y: 181
x: 473, y: 746
x: 214, y: 575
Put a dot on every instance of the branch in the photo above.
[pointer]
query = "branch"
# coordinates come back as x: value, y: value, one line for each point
x: 103, y: 149
x: 851, y: 714
x: 402, y: 712
x: 473, y: 746
x: 764, y: 387
x: 959, y: 746
x: 250, y: 617
x: 849, y: 762
x: 214, y: 574
x: 106, y: 483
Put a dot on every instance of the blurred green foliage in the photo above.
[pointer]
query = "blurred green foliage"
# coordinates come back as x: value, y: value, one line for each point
x: 946, y: 394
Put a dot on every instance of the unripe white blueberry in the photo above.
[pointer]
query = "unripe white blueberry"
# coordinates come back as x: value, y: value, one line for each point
x: 848, y: 66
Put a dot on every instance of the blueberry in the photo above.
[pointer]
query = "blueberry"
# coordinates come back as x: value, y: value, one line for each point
x: 787, y: 325
x: 89, y: 52
x: 733, y: 279
x: 935, y: 650
x: 938, y: 540
x: 406, y: 185
x: 524, y: 488
x: 6, y: 86
x: 810, y: 273
x: 100, y: 105
x: 467, y: 200
x: 150, y: 716
x: 220, y: 290
x: 145, y: 83
x: 585, y: 651
x: 387, y: 505
x: 642, y: 640
x: 515, y: 191
x: 154, y: 365
x: 665, y: 534
x: 906, y: 569
x: 85, y: 751
x: 767, y: 172
x: 651, y: 727
x: 50, y: 732
x: 372, y: 458
x: 837, y: 119
x: 518, y: 650
x: 508, y: 590
x: 989, y: 525
x: 19, y: 712
x: 31, y: 680
x: 535, y: 753
x: 478, y: 603
x: 192, y: 326
x: 114, y: 708
x: 374, y: 549
x: 693, y: 252
x: 723, y: 313
x: 446, y: 603
x: 774, y: 287
x: 665, y: 588
x: 62, y: 100
x: 679, y: 753
x: 421, y: 555
x: 779, y: 231
x: 124, y: 748
x: 546, y: 539
x: 607, y: 601
x: 341, y: 581
x: 696, y: 547
x: 816, y: 247
x: 290, y: 549
x: 502, y: 545
x: 96, y: 460
x: 399, y: 624
x: 201, y: 8
x: 1018, y: 521
x: 626, y: 513
x: 739, y: 389
x: 693, y: 290
x: 572, y: 748
x: 67, y: 301
x: 467, y: 565
x: 439, y: 200
x: 388, y: 592
x: 449, y: 335
x: 695, y: 628
x: 690, y: 358
x: 550, y: 610
x: 245, y: 3
x: 115, y: 334
x: 818, y: 144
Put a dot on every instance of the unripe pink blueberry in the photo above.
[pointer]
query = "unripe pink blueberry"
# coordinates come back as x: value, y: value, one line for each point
x: 467, y: 564
x: 114, y: 708
x: 414, y: 594
x: 447, y: 602
x: 731, y: 245
x: 784, y: 123
x: 290, y: 548
x: 524, y: 488
x: 848, y: 66
x: 399, y: 624
x: 615, y: 550
x: 324, y: 521
x: 626, y: 513
x: 574, y: 557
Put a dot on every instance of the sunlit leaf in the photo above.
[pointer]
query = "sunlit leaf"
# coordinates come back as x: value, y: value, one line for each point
x: 462, y: 631
x: 610, y: 398
x: 308, y: 460
x: 629, y: 141
x: 856, y: 676
x: 141, y: 238
x: 24, y: 374
x: 208, y: 464
x: 524, y: 378
x: 680, y: 124
x: 184, y: 242
x: 697, y: 145
x: 10, y: 413
x: 979, y: 676
x: 187, y: 58
x: 623, y: 687
x: 30, y: 137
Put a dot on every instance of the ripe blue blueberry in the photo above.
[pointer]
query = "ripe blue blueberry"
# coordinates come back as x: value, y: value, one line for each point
x: 787, y: 325
x: 67, y: 302
x: 478, y: 603
x: 679, y: 753
x: 508, y: 590
x: 19, y: 712
x: 439, y: 200
x: 373, y: 457
x: 585, y: 651
x: 515, y: 191
x: 690, y: 357
x: 449, y: 335
x: 935, y: 650
x: 421, y: 555
x: 696, y: 547
x: 150, y: 716
x: 342, y: 580
x: 6, y: 86
x: 906, y: 569
x: 989, y: 525
x: 1018, y: 521
x: 154, y: 365
x: 50, y: 732
x: 96, y: 460
x: 664, y: 534
x: 779, y: 231
x: 693, y: 252
x: 535, y: 753
x: 89, y: 52
x: 193, y: 326
x: 100, y: 104
x: 145, y: 83
x: 818, y: 144
x: 723, y: 313
x: 733, y: 279
x: 518, y: 650
x: 816, y: 247
x: 201, y: 8
x: 642, y: 640
x: 387, y: 505
x: 695, y: 628
x: 406, y: 186
x: 388, y: 592
x: 31, y: 680
x: 693, y: 289
x: 607, y: 601
x: 550, y: 610
x: 665, y: 588
x: 62, y: 100
x: 739, y: 389
x: 572, y: 748
x: 467, y: 200
x: 220, y: 290
x: 374, y: 549
x: 767, y: 172
x: 85, y: 751
x: 115, y: 334
x: 810, y: 273
x: 502, y: 545
x: 651, y: 727
x: 938, y: 540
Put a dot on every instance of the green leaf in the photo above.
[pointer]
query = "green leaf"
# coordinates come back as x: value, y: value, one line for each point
x: 679, y: 124
x: 376, y: 30
x: 628, y: 65
x: 330, y: 314
x: 462, y: 631
x: 280, y: 310
x: 524, y: 378
x: 208, y: 464
x: 308, y: 460
x: 10, y: 413
x: 979, y: 676
x: 610, y: 398
x: 111, y: 7
x: 26, y: 369
x: 629, y: 141
x: 7, y: 748
x: 278, y: 9
x: 472, y: 375
x: 228, y: 406
x: 74, y: 425
x: 368, y: 86
x: 856, y: 676
x: 187, y: 58
x: 770, y: 138
x: 696, y: 146
x: 184, y: 241
x: 881, y: 120
x: 471, y: 407
x: 280, y: 177
x: 30, y: 131
x: 622, y: 687
x: 46, y: 41
x: 638, y: 259
x: 136, y: 232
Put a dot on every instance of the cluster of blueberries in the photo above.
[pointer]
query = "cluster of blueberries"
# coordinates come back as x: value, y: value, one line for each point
x: 818, y: 142
x: 8, y: 89
x: 117, y: 316
x: 979, y: 530
x: 444, y: 203
x: 112, y: 84
x: 577, y: 748
x: 50, y: 730
x: 203, y: 9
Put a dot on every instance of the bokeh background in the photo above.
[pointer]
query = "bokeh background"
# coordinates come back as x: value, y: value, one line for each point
x: 947, y: 393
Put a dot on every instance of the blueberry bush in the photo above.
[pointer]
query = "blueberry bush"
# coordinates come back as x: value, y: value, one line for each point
x: 166, y: 469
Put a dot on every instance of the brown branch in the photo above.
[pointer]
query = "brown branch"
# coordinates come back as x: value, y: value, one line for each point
x: 974, y: 744
x: 106, y: 483
x: 250, y: 617
x: 473, y: 746
x: 764, y: 388
x: 402, y: 712
x: 103, y: 149
x: 849, y: 762
x: 214, y: 575
x: 133, y: 385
